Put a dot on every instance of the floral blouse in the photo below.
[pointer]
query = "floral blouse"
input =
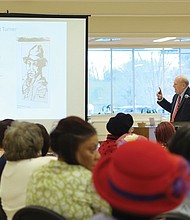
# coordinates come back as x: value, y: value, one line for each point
x: 66, y: 189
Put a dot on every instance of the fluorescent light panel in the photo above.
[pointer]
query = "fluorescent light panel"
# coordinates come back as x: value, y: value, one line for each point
x: 164, y: 39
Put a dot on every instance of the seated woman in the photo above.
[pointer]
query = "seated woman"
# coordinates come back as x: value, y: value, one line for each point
x: 179, y: 144
x: 22, y: 143
x: 141, y: 180
x: 163, y: 133
x: 4, y: 124
x: 116, y: 126
x: 65, y: 185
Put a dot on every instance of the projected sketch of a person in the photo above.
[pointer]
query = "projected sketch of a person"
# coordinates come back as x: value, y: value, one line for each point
x: 35, y: 85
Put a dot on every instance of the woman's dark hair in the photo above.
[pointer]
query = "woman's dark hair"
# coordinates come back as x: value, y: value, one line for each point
x: 46, y: 139
x: 180, y: 142
x: 4, y: 124
x: 68, y: 135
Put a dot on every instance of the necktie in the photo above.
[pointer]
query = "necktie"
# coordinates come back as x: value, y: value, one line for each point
x: 176, y: 108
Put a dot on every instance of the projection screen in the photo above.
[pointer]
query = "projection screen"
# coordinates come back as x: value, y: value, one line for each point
x: 43, y: 67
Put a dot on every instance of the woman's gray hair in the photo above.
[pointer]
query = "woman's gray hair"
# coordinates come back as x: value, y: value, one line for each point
x: 22, y: 140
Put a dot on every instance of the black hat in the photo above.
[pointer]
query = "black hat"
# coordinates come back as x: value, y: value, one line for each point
x: 120, y: 124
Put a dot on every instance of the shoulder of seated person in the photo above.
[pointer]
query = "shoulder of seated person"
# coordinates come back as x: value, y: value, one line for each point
x: 45, y: 158
x: 101, y: 216
x: 49, y: 157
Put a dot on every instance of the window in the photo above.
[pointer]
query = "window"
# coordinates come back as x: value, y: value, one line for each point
x: 127, y: 80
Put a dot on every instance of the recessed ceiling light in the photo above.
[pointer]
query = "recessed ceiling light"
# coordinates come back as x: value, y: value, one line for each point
x: 103, y: 40
x: 107, y: 39
x: 182, y: 40
x: 164, y: 39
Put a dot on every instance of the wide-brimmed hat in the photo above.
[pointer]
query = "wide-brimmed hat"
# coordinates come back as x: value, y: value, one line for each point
x: 129, y: 137
x: 36, y: 53
x: 119, y: 124
x: 142, y: 178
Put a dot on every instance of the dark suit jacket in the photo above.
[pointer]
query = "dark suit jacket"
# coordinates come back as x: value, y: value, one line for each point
x: 183, y: 113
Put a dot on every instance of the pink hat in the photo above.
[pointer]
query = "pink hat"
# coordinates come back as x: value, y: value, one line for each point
x: 129, y: 137
x: 142, y: 178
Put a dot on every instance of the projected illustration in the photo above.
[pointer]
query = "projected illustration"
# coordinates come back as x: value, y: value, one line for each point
x: 34, y: 87
x: 34, y: 70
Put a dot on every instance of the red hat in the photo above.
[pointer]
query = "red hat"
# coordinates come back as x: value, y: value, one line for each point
x: 142, y: 178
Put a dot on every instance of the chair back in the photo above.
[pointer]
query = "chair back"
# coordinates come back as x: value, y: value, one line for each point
x: 172, y: 216
x: 37, y: 213
x: 2, y: 213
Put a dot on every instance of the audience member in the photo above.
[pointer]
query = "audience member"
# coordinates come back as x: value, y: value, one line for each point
x: 3, y: 126
x: 179, y: 144
x: 46, y: 139
x: 65, y: 185
x: 22, y: 144
x: 163, y: 132
x: 141, y: 180
x: 116, y: 126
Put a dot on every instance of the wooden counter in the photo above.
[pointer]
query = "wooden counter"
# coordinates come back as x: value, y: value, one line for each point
x: 147, y: 131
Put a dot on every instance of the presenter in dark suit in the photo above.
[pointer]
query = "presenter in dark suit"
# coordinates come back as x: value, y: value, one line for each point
x: 180, y: 105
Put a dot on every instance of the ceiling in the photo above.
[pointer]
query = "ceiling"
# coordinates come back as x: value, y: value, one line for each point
x: 137, y: 42
x: 92, y: 1
x: 127, y: 23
